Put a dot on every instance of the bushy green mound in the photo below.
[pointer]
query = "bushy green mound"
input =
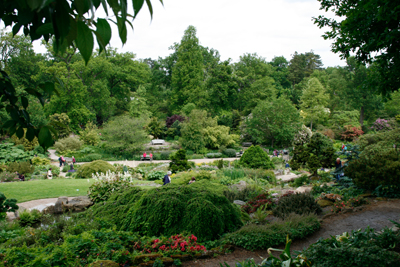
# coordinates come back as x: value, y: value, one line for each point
x: 255, y: 236
x: 382, y: 141
x: 254, y: 157
x: 372, y: 170
x: 86, y: 170
x: 172, y: 209
x: 299, y: 203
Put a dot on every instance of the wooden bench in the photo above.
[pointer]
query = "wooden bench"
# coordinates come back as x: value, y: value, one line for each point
x: 238, y: 154
x: 145, y: 158
x: 157, y: 142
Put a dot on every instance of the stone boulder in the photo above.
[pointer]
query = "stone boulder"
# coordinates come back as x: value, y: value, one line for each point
x: 240, y: 186
x: 239, y: 202
x: 104, y: 263
x: 58, y: 207
x: 78, y: 204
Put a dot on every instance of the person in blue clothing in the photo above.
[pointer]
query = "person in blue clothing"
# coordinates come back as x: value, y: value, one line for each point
x: 167, y: 178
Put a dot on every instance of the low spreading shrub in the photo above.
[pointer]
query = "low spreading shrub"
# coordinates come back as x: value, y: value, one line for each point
x: 361, y: 248
x: 40, y: 161
x: 389, y: 191
x: 299, y: 203
x: 255, y: 203
x: 247, y: 193
x: 254, y: 236
x: 86, y: 170
x: 302, y: 180
x: 339, y: 205
x: 21, y: 167
x: 101, y: 191
x: 29, y: 218
x: 213, y: 155
x: 371, y: 171
x: 173, y: 209
x: 155, y: 175
x: 8, y: 176
x: 165, y: 155
x: 231, y: 153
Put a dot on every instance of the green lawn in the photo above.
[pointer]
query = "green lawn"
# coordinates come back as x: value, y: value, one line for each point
x: 38, y: 189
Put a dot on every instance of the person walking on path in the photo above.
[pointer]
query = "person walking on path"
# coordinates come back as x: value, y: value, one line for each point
x: 60, y: 159
x: 73, y: 160
x: 167, y: 178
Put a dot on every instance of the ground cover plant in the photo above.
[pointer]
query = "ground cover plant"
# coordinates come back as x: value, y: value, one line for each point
x: 97, y: 166
x: 361, y: 248
x: 254, y: 236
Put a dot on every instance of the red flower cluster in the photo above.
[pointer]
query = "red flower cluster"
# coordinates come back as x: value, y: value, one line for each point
x: 176, y: 244
x: 260, y: 200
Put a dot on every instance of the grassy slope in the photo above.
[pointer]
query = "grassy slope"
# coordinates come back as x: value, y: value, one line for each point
x: 31, y: 190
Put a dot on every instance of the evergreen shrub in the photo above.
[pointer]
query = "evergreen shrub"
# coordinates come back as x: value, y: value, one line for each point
x: 299, y: 203
x: 179, y: 161
x: 196, y: 208
x: 255, y: 236
x: 371, y: 171
x: 86, y: 170
x: 213, y: 155
x: 254, y: 157
x: 40, y: 161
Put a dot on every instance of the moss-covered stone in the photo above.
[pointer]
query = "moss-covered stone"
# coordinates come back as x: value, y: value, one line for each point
x: 325, y: 203
x: 145, y: 258
x: 104, y: 263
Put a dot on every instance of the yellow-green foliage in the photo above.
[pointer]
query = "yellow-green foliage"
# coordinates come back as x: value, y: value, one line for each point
x: 90, y: 136
x: 28, y: 145
x: 86, y: 170
x: 68, y: 143
x: 217, y: 136
x: 40, y: 161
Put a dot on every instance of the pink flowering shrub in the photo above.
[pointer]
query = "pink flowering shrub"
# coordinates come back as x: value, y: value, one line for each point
x: 339, y: 205
x: 177, y: 244
x: 381, y: 125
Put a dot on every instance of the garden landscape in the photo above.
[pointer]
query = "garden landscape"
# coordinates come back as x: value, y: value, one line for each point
x: 191, y: 160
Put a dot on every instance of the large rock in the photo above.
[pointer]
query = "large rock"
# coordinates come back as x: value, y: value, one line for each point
x: 78, y: 204
x: 240, y: 186
x: 239, y: 202
x: 58, y: 207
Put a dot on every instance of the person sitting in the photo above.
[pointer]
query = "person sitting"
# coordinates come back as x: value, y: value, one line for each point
x: 192, y: 180
x: 144, y: 155
x: 71, y: 168
x: 49, y: 174
x: 167, y: 178
x: 21, y: 177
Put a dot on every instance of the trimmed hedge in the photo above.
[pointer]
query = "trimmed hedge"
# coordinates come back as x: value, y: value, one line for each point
x: 254, y: 157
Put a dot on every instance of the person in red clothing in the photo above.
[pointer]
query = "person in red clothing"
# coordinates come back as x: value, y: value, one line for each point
x: 144, y: 155
x: 151, y: 156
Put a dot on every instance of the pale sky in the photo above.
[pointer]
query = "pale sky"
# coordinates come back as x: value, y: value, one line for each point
x: 266, y: 27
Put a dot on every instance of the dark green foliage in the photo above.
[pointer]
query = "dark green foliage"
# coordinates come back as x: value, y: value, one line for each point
x: 390, y: 191
x: 360, y: 249
x: 255, y: 236
x: 21, y: 167
x: 7, y: 205
x: 86, y: 170
x: 179, y: 161
x: 373, y: 170
x: 172, y: 209
x: 231, y: 153
x: 254, y: 157
x: 298, y: 203
x: 165, y: 155
x: 220, y: 164
x: 319, y: 152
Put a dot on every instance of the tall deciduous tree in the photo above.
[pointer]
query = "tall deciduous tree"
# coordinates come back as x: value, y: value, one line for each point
x: 314, y: 101
x: 187, y: 73
x: 275, y: 122
x: 370, y: 30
